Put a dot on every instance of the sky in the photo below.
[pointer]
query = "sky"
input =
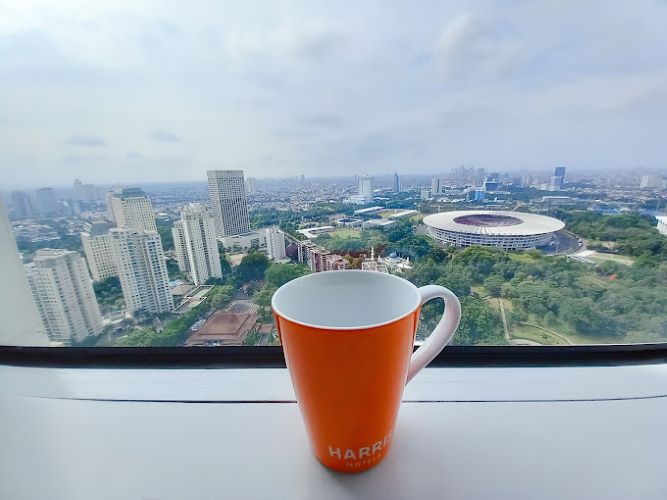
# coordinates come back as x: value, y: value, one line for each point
x: 127, y: 91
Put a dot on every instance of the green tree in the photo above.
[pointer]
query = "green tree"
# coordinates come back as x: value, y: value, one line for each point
x: 252, y: 267
x: 252, y: 338
x: 109, y: 294
x: 263, y: 297
x: 278, y: 274
x: 456, y: 280
x: 493, y: 285
x: 164, y: 230
x: 220, y: 296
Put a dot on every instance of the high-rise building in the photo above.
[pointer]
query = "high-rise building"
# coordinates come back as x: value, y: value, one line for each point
x: 142, y: 271
x: 196, y: 235
x: 556, y: 182
x: 436, y: 186
x: 96, y: 244
x: 226, y: 190
x: 366, y: 188
x: 85, y: 192
x: 397, y: 183
x: 651, y: 181
x: 64, y: 295
x: 275, y: 243
x: 23, y: 206
x: 130, y: 207
x: 21, y: 322
x: 47, y: 203
x: 250, y: 186
x: 178, y: 235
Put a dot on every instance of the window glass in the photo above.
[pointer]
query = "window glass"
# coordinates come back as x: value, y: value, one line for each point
x: 166, y: 168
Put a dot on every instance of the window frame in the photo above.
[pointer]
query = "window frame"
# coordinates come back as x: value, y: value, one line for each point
x: 272, y: 356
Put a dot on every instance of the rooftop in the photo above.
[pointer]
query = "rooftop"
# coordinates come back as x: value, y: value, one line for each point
x: 493, y: 222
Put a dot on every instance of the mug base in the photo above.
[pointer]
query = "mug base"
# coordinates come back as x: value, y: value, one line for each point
x: 352, y: 466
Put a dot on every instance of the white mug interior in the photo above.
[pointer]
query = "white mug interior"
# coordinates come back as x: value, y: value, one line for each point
x: 346, y: 299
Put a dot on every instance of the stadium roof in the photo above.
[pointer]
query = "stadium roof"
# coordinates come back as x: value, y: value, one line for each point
x: 498, y: 223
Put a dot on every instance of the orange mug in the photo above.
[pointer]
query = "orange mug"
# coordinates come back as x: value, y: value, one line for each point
x: 348, y: 340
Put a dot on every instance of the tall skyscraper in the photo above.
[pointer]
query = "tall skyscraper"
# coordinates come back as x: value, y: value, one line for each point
x: 23, y: 206
x: 130, y: 207
x: 366, y: 188
x: 436, y: 186
x: 21, y: 322
x: 64, y: 295
x: 226, y: 190
x: 250, y: 186
x: 196, y: 235
x: 142, y: 271
x: 397, y: 183
x: 557, y: 179
x: 96, y: 244
x: 178, y: 235
x: 47, y: 203
x: 85, y: 192
x: 275, y: 243
x: 651, y: 181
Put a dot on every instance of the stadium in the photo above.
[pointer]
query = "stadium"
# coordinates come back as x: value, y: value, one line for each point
x: 506, y: 230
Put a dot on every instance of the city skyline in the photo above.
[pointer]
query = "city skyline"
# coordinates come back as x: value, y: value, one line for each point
x: 313, y: 87
x: 385, y: 174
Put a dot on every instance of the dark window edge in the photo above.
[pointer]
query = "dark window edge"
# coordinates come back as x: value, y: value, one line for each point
x: 272, y: 357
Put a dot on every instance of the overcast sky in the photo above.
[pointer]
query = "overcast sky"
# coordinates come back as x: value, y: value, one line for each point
x: 131, y: 91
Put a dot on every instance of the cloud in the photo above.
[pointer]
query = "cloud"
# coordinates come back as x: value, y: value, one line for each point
x: 90, y: 141
x: 323, y: 120
x: 164, y: 136
x: 469, y: 47
x: 293, y: 41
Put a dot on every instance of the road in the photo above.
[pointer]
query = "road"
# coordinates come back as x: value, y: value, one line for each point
x: 565, y: 242
x: 560, y: 336
x: 504, y: 318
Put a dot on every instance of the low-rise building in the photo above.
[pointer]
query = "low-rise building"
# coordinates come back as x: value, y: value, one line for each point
x: 323, y: 260
x: 377, y: 223
x: 253, y: 240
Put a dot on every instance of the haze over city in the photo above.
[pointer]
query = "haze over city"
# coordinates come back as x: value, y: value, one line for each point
x: 140, y: 92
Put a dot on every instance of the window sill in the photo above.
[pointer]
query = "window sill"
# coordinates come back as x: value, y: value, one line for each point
x: 567, y: 432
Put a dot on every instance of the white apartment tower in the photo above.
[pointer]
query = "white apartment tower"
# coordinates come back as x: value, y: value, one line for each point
x: 436, y: 186
x: 396, y: 184
x: 21, y: 322
x: 196, y: 244
x: 142, y: 270
x: 275, y: 243
x: 96, y: 244
x: 178, y: 235
x: 64, y: 295
x: 250, y: 186
x: 130, y: 207
x: 366, y: 188
x: 226, y: 189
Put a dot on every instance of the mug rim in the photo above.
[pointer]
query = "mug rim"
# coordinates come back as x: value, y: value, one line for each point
x: 314, y: 276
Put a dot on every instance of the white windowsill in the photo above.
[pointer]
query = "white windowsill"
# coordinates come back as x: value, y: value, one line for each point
x: 463, y: 433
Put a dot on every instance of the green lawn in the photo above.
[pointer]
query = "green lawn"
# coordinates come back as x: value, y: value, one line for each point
x: 521, y: 257
x: 599, y: 258
x: 534, y: 334
x: 346, y: 232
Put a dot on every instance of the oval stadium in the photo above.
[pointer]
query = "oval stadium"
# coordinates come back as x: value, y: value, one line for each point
x: 506, y: 230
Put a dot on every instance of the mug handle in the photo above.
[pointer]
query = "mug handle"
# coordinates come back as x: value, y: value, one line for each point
x: 442, y: 333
